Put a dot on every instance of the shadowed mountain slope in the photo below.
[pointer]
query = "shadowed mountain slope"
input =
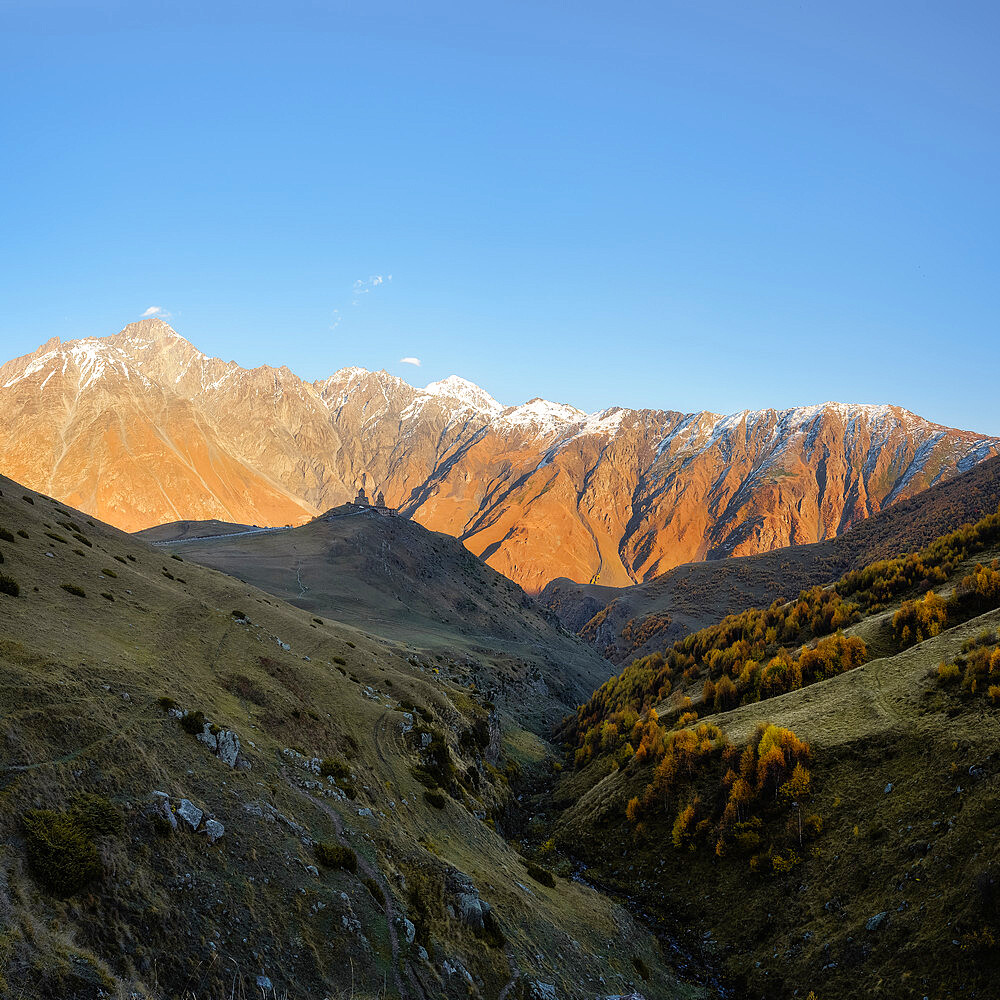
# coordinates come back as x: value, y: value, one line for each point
x: 393, y: 578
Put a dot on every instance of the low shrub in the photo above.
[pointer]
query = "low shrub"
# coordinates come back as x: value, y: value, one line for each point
x: 173, y: 555
x: 492, y: 933
x: 56, y: 537
x: 110, y: 572
x: 333, y: 767
x: 948, y: 673
x: 98, y: 814
x: 331, y: 855
x: 6, y: 536
x: 83, y: 539
x: 541, y: 875
x: 166, y: 703
x: 193, y: 722
x: 107, y: 596
x: 23, y: 533
x: 318, y: 621
x: 435, y: 797
x: 28, y: 499
x: 340, y: 660
x: 424, y: 777
x: 121, y: 559
x: 72, y: 588
x: 9, y: 586
x: 437, y: 759
x: 426, y: 900
x: 61, y: 850
x: 161, y: 826
x: 246, y: 688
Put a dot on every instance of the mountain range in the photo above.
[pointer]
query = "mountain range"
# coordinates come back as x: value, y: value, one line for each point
x: 141, y: 428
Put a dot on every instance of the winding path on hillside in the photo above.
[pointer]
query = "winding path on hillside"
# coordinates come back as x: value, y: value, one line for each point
x: 376, y: 875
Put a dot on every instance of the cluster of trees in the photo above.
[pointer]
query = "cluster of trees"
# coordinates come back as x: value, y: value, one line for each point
x: 765, y: 652
x: 784, y: 671
x: 744, y: 658
x: 928, y: 616
x: 919, y: 620
x: 713, y: 794
x: 878, y: 585
x: 976, y: 668
x: 979, y: 591
x: 640, y: 630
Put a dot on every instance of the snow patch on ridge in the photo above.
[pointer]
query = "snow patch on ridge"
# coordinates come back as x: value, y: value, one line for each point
x: 36, y: 366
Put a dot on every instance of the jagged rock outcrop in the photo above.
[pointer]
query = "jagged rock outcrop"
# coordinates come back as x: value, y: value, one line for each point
x: 142, y: 428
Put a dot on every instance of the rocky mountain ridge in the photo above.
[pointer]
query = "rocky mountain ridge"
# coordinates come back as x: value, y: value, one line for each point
x: 141, y: 428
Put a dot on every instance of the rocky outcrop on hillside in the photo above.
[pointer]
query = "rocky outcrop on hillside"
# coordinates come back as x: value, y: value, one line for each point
x: 142, y: 428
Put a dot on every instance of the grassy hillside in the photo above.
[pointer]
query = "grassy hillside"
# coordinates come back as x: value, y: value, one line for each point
x: 633, y: 621
x: 175, y: 530
x: 201, y: 785
x: 393, y: 578
x: 827, y: 828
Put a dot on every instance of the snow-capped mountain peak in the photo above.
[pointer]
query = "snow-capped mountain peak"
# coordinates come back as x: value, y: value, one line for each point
x: 468, y: 393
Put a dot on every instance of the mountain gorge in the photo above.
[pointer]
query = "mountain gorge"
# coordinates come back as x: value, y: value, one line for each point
x: 142, y: 428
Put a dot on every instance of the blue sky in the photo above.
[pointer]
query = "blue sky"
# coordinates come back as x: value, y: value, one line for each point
x: 704, y: 205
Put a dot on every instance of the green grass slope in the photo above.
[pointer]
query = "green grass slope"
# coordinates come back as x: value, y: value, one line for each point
x: 346, y: 845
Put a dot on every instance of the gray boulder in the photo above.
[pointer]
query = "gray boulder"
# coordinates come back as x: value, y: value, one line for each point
x: 224, y: 743
x: 215, y: 830
x: 190, y: 813
x: 207, y: 737
x: 541, y: 991
x: 228, y: 747
x: 469, y: 909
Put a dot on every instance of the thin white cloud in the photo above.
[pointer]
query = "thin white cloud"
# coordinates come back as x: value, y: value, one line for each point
x: 335, y: 319
x: 365, y: 285
x: 155, y: 311
x: 410, y: 361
